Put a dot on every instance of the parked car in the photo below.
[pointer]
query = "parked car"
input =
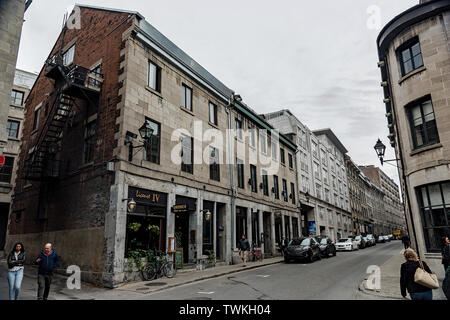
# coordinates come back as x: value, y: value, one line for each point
x: 367, y: 242
x: 302, y: 249
x: 381, y: 239
x: 347, y: 244
x: 361, y: 242
x: 386, y: 238
x: 391, y: 237
x: 327, y: 246
x: 372, y: 239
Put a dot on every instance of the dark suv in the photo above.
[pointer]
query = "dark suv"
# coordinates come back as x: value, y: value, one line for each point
x: 327, y: 246
x: 302, y: 249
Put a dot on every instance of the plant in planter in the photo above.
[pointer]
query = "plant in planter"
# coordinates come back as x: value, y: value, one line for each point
x: 135, y: 259
x: 153, y: 228
x: 211, y: 259
x: 134, y: 226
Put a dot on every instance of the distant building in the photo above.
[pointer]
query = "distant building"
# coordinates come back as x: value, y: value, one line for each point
x: 23, y: 81
x: 393, y: 216
x: 414, y: 59
x: 322, y: 177
x: 11, y: 21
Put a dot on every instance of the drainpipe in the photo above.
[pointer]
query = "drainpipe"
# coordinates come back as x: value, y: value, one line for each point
x: 401, y: 159
x: 229, y: 108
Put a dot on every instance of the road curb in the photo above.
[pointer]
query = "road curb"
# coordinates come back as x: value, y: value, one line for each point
x: 363, y: 289
x: 203, y: 278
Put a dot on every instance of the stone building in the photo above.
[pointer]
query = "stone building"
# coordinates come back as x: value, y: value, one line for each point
x: 322, y: 177
x: 394, y: 215
x: 131, y: 144
x: 414, y: 59
x: 23, y: 81
x: 11, y: 21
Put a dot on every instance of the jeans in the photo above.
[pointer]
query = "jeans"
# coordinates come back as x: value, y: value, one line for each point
x: 15, y: 282
x: 44, y: 282
x: 427, y: 295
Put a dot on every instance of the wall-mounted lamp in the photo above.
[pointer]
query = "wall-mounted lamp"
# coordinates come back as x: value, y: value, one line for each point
x: 131, y: 206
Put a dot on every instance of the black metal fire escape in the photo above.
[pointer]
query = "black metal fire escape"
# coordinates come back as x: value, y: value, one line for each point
x: 43, y: 163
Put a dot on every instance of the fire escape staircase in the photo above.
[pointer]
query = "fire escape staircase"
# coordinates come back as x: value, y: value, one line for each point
x: 43, y: 163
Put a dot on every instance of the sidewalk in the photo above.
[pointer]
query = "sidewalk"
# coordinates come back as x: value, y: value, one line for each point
x: 129, y: 291
x: 390, y: 280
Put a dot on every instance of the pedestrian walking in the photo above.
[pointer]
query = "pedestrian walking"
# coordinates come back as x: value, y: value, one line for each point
x: 48, y: 260
x: 445, y: 252
x: 16, y: 262
x: 407, y: 272
x: 244, y: 248
x: 283, y: 244
x: 405, y: 240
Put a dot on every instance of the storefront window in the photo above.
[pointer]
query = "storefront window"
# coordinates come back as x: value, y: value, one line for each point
x: 434, y: 202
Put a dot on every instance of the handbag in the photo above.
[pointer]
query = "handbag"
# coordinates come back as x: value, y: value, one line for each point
x: 425, y: 279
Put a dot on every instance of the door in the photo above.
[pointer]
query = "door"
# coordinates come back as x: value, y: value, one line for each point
x: 267, y: 233
x: 4, y: 211
x: 182, y: 229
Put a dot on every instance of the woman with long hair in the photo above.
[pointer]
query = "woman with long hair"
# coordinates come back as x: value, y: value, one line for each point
x: 16, y: 261
x: 407, y: 271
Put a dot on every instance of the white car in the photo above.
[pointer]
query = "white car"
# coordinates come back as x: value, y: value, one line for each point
x: 346, y: 244
x: 386, y: 238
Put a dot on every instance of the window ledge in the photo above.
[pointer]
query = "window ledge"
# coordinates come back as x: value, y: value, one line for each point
x: 156, y: 93
x: 423, y: 149
x: 187, y: 111
x: 6, y: 185
x: 84, y: 166
x: 13, y: 139
x: 27, y: 186
x: 412, y: 73
x: 213, y: 125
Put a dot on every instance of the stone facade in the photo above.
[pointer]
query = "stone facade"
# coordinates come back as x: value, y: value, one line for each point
x: 11, y: 21
x: 423, y: 152
x: 93, y: 196
x: 321, y: 174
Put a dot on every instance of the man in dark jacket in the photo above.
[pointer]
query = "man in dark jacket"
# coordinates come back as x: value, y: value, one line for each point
x: 407, y: 272
x: 244, y: 247
x: 283, y: 244
x: 48, y: 260
x: 445, y: 253
x: 405, y: 240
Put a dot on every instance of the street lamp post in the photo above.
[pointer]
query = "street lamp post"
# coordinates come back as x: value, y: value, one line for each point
x: 146, y: 132
x: 380, y: 149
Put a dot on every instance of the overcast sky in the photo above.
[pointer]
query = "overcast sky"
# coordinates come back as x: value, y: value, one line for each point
x: 316, y: 58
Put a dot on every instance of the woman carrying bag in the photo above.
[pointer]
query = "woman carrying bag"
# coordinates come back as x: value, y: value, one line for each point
x: 16, y: 261
x: 415, y: 283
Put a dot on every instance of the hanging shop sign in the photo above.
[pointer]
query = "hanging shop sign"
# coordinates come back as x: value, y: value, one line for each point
x: 147, y: 196
x: 180, y: 208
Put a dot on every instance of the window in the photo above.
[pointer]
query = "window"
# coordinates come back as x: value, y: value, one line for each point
x: 214, y: 166
x: 265, y: 183
x: 37, y: 114
x: 274, y: 150
x: 263, y: 141
x: 285, y: 191
x: 68, y: 56
x: 293, y: 193
x: 422, y: 123
x: 314, y: 148
x: 154, y: 77
x: 153, y: 145
x: 252, y: 132
x: 434, y: 203
x: 282, y: 156
x: 291, y: 161
x: 213, y: 113
x: 410, y: 56
x: 17, y: 97
x: 186, y: 99
x: 97, y: 71
x: 316, y: 171
x: 275, y: 187
x: 187, y: 154
x: 89, y: 141
x: 240, y: 172
x: 318, y: 191
x: 254, y: 182
x: 238, y: 126
x: 6, y: 170
x: 12, y: 127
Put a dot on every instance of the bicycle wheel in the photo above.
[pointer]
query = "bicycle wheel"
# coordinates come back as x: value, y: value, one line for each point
x: 169, y: 270
x: 149, y: 273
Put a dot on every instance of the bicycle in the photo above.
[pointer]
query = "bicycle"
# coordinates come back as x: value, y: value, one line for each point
x: 256, y: 254
x: 159, y: 267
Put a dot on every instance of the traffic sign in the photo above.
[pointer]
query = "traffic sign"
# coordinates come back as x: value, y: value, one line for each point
x: 2, y: 160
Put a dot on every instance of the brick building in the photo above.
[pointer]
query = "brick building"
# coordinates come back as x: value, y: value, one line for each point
x: 83, y: 161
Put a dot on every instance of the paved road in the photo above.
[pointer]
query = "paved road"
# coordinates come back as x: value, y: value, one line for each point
x: 335, y: 278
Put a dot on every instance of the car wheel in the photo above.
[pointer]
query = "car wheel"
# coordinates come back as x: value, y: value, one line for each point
x: 286, y: 259
x: 319, y: 257
x: 311, y: 258
x: 334, y: 253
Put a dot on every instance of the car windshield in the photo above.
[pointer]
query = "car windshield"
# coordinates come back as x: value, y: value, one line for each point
x: 323, y: 241
x: 306, y: 242
x: 358, y: 238
x: 344, y: 240
x: 295, y: 242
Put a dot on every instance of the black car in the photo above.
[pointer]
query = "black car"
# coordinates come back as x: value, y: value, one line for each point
x: 327, y: 246
x: 362, y: 242
x: 302, y: 249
